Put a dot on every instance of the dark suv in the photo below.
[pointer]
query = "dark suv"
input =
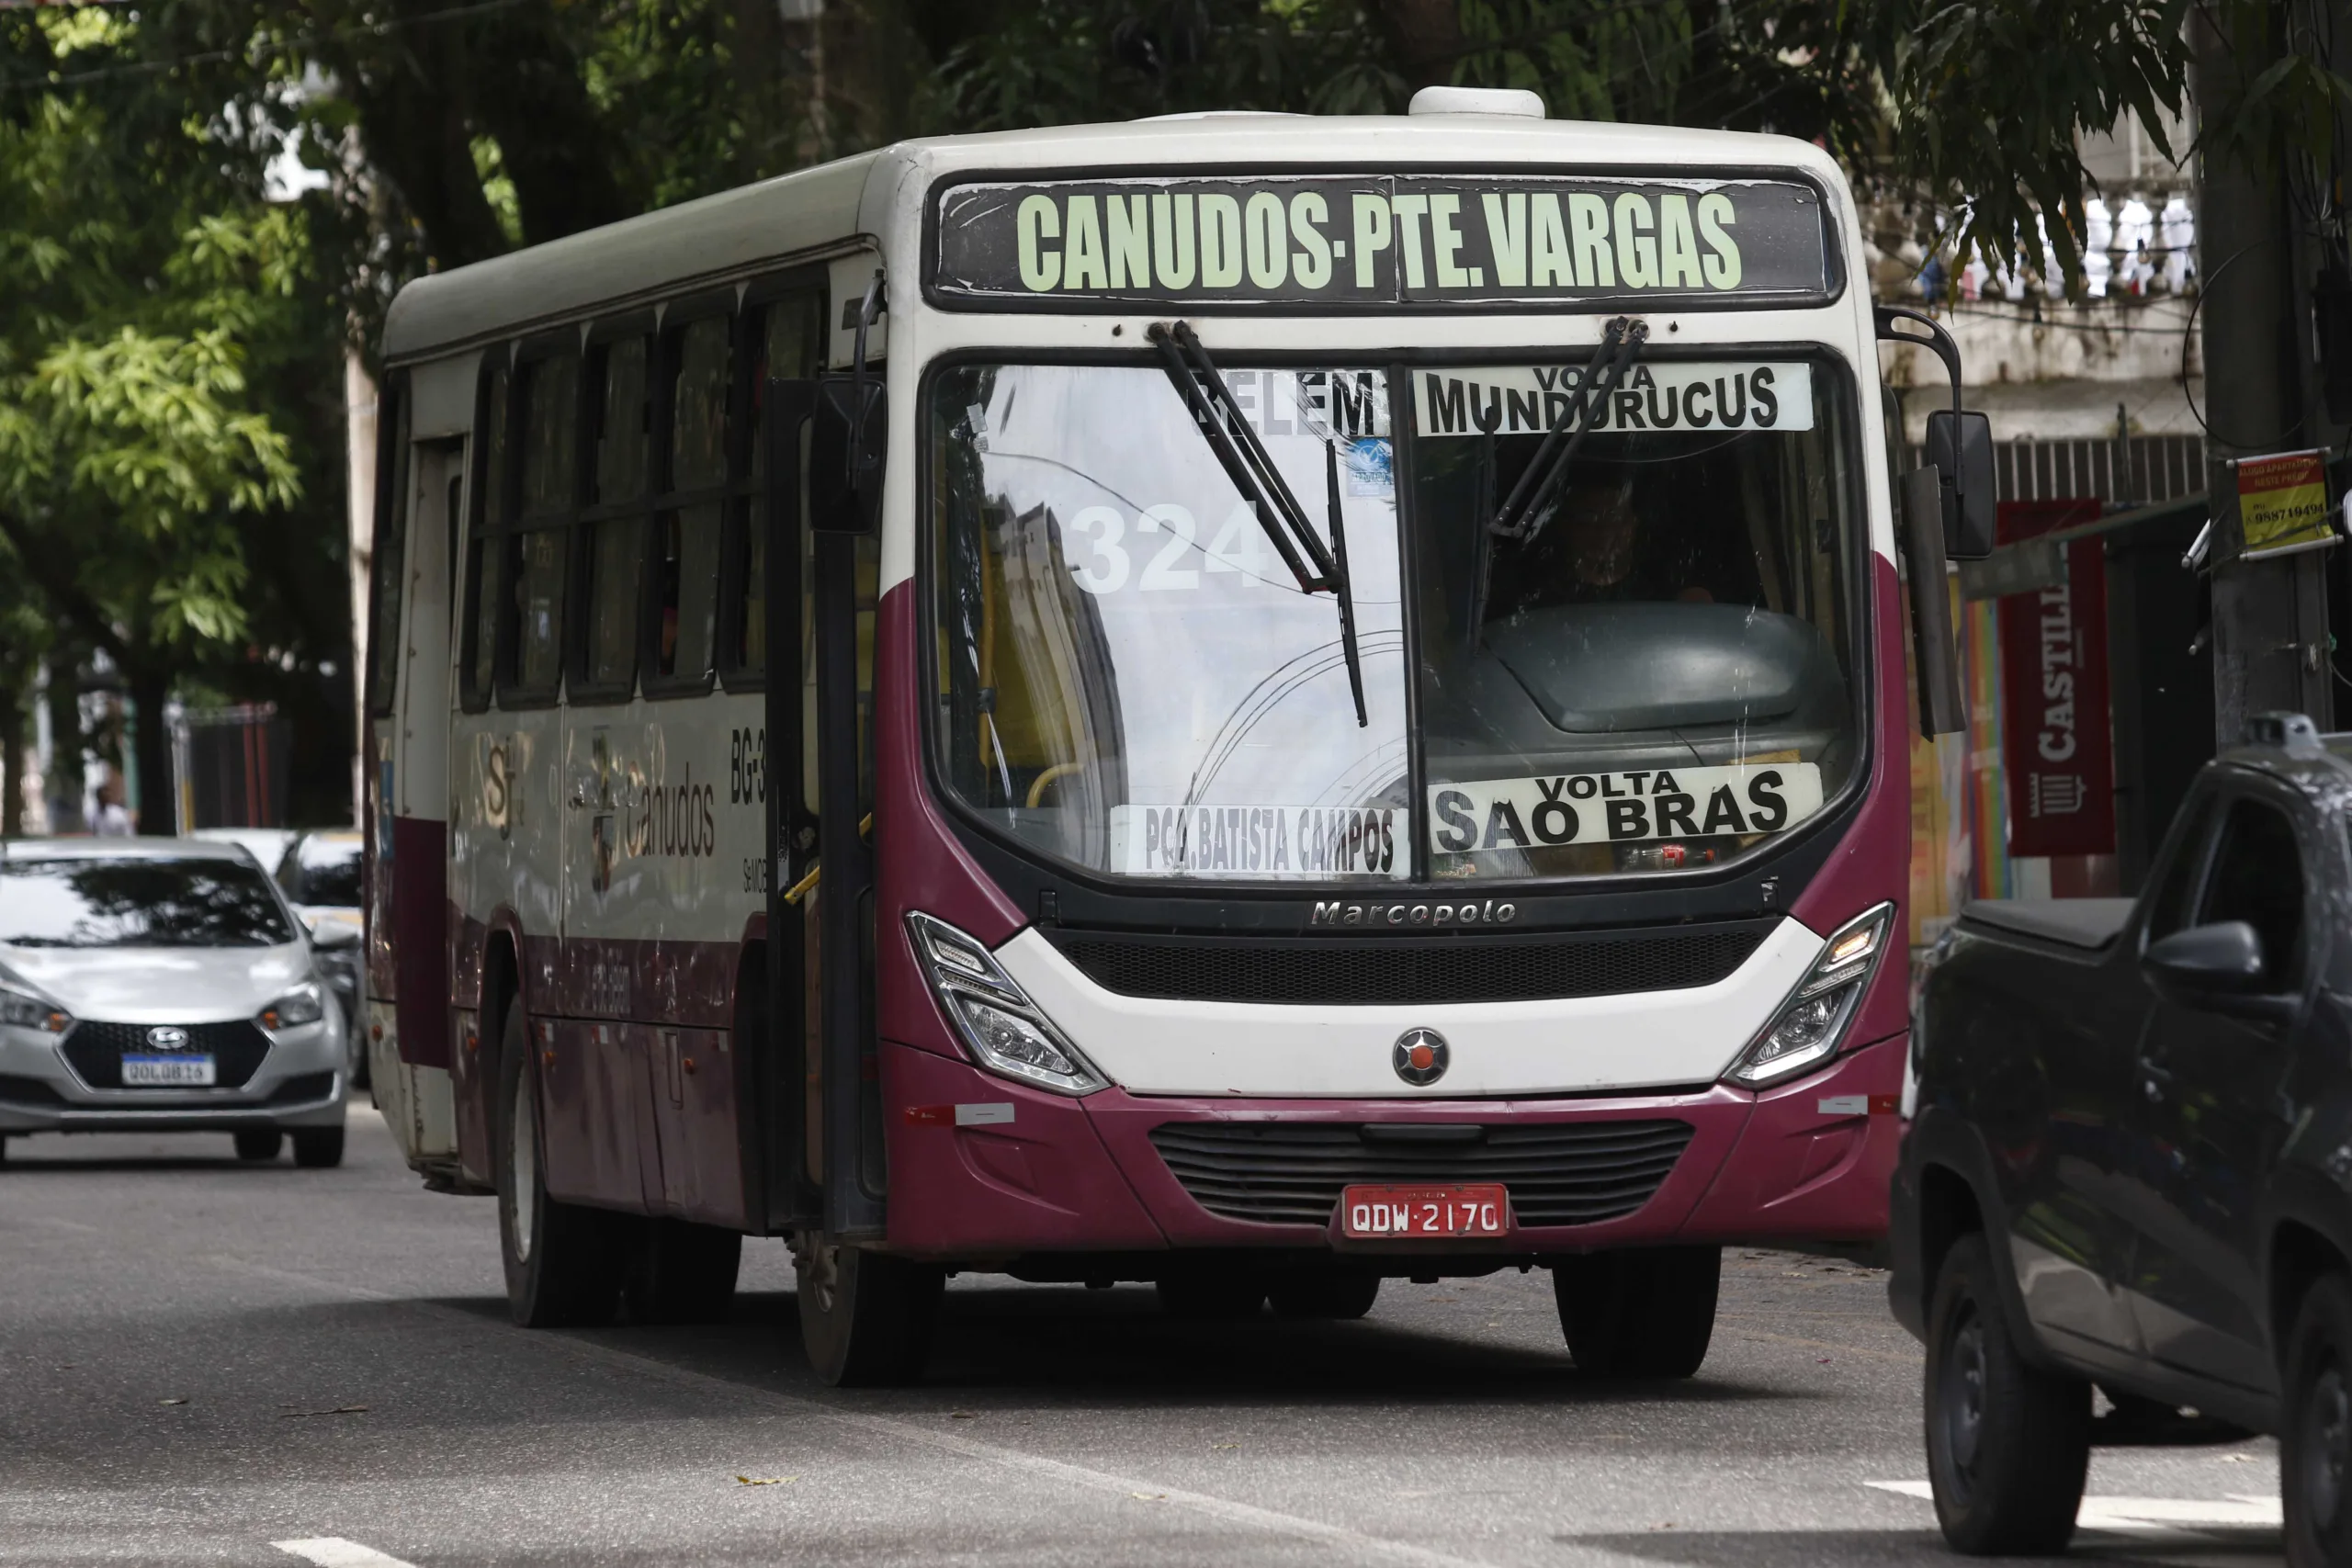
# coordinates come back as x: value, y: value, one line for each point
x: 2129, y: 1160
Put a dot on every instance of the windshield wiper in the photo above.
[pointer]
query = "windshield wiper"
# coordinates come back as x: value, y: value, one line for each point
x: 1529, y: 506
x: 1247, y: 463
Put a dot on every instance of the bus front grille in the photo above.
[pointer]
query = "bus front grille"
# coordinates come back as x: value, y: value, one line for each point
x: 1291, y: 1173
x: 1413, y: 972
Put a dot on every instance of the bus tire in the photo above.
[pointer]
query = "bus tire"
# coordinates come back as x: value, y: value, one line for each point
x: 1333, y: 1291
x: 2008, y: 1444
x: 865, y: 1317
x: 561, y: 1263
x: 260, y: 1146
x: 2316, y: 1446
x: 682, y: 1273
x: 1212, y: 1296
x: 1638, y: 1312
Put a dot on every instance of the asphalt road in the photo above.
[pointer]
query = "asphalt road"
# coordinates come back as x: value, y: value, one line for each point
x: 204, y: 1363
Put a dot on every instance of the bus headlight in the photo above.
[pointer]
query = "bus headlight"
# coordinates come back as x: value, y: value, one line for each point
x: 1006, y: 1033
x: 1812, y: 1023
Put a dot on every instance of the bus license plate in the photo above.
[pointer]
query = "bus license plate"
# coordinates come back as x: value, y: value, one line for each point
x: 1482, y: 1210
x: 167, y: 1072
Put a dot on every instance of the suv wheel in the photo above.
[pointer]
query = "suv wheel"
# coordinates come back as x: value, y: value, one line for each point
x: 865, y: 1317
x: 561, y: 1265
x: 1638, y: 1314
x: 2008, y: 1444
x: 2315, y: 1446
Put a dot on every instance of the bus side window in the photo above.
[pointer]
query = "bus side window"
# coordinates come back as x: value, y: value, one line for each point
x: 386, y: 567
x: 686, y: 532
x: 486, y: 564
x: 620, y: 399
x: 787, y: 338
x: 549, y: 392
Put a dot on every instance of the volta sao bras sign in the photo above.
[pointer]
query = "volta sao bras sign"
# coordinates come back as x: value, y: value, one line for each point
x: 1380, y: 241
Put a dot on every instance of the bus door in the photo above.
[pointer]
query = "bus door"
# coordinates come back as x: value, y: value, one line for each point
x: 821, y: 599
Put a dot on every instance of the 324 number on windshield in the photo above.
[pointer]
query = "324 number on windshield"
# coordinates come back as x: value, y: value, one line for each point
x: 1174, y: 563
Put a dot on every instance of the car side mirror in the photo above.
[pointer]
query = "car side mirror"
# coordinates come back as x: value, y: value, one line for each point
x: 849, y: 434
x: 2221, y: 959
x: 328, y: 935
x: 1961, y: 445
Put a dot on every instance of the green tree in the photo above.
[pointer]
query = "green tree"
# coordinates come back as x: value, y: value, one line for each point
x: 140, y: 463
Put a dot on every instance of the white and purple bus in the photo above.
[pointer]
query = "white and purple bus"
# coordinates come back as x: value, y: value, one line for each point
x: 1337, y: 696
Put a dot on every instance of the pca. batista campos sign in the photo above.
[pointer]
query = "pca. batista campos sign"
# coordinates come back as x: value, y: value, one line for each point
x: 1379, y: 242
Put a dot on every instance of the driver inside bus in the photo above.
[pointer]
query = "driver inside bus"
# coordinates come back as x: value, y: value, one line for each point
x: 1603, y: 538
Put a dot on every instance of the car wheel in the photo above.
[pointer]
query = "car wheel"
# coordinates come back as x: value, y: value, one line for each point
x: 2315, y: 1446
x: 561, y: 1265
x: 318, y: 1148
x: 1219, y: 1296
x: 680, y: 1272
x: 2008, y: 1443
x: 1640, y: 1313
x: 866, y: 1318
x: 1334, y: 1291
x: 257, y: 1147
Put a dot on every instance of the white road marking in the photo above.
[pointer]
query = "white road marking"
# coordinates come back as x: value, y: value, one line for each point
x: 2237, y: 1511
x: 333, y: 1552
x: 1356, y: 1545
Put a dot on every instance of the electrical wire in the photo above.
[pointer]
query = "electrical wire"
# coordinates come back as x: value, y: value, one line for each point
x: 54, y: 81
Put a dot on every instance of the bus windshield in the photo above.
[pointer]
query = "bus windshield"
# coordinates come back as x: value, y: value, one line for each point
x: 1653, y: 671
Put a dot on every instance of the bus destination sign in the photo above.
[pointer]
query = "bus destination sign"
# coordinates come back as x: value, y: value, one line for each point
x: 1380, y: 241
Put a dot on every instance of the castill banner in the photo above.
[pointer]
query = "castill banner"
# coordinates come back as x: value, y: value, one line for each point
x: 2057, y: 752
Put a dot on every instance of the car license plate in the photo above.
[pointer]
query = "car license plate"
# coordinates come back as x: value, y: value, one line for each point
x: 1479, y: 1210
x: 167, y: 1072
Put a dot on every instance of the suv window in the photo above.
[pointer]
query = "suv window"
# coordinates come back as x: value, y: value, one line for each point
x: 2177, y: 893
x: 2258, y: 878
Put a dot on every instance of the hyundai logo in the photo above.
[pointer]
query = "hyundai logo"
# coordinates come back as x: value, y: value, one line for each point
x: 168, y: 1037
x: 1422, y: 1057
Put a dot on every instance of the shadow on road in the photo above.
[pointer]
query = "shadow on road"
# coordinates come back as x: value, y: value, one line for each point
x: 1009, y: 1347
x: 1805, y: 1549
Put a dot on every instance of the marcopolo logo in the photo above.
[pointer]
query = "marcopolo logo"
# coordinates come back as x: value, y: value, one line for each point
x: 1421, y: 1057
x: 1334, y: 912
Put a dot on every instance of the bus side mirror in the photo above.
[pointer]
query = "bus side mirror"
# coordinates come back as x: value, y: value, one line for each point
x: 848, y: 437
x: 1962, y: 445
x: 1935, y: 658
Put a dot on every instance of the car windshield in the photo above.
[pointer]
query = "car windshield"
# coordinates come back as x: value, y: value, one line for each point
x: 138, y: 902
x: 1652, y: 671
x: 323, y: 872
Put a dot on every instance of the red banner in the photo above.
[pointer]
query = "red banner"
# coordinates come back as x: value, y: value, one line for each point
x: 2056, y: 750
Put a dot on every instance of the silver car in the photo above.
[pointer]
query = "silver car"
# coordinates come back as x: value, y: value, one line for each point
x: 164, y: 985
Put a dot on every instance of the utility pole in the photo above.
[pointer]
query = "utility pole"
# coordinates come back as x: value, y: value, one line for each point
x: 2256, y: 264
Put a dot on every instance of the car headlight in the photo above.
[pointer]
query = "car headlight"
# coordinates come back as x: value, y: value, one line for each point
x: 304, y: 1004
x: 1812, y: 1023
x: 25, y: 1011
x: 1006, y: 1033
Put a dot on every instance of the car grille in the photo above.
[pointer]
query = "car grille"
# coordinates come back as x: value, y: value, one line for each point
x: 1566, y: 1173
x: 95, y: 1050
x: 1330, y: 971
x: 302, y: 1086
x: 16, y: 1090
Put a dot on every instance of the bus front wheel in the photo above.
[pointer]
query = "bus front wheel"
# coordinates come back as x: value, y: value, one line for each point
x: 1639, y: 1312
x: 560, y: 1258
x: 865, y: 1317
